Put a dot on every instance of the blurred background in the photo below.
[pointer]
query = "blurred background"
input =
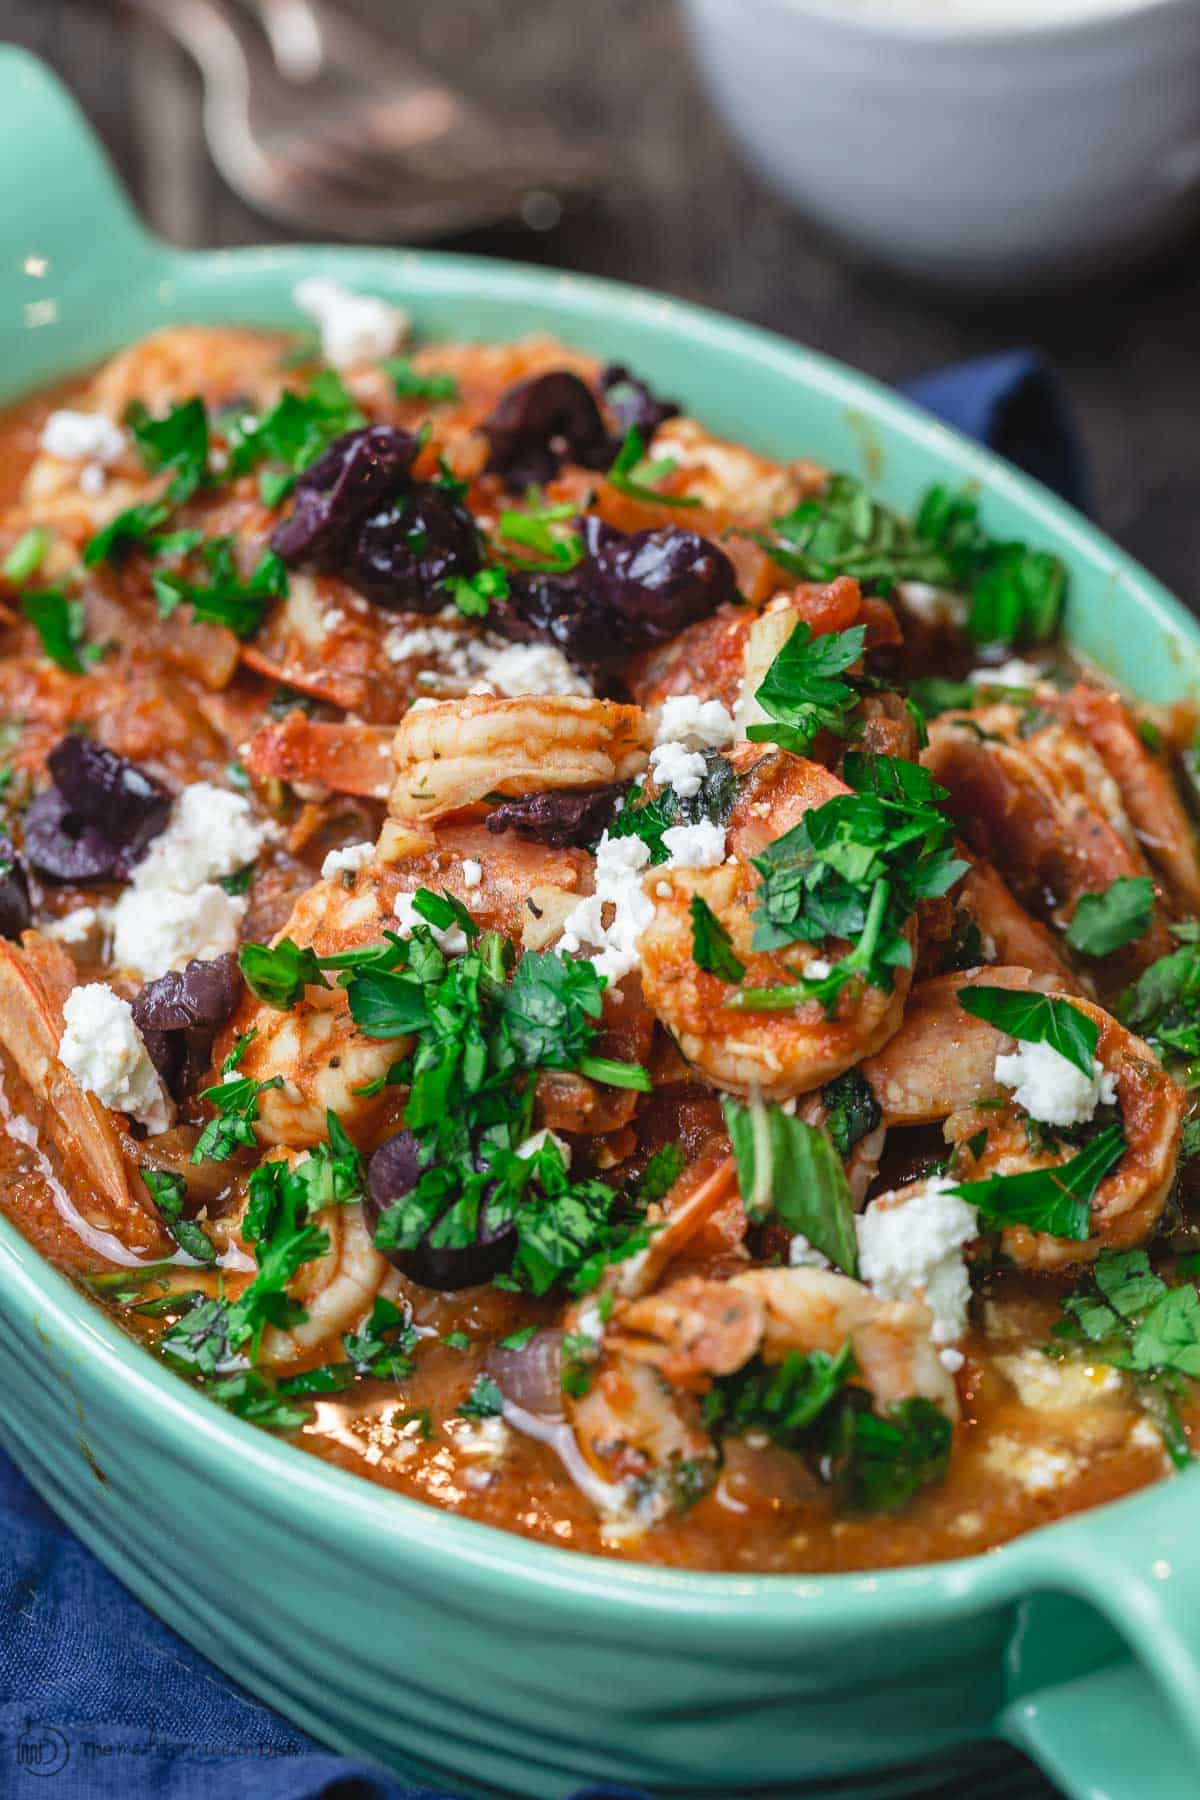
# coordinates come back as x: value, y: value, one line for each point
x: 680, y: 210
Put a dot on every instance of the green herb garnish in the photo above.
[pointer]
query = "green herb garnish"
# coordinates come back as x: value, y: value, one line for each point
x: 1036, y: 1019
x: 791, y: 1171
x: 1106, y: 922
x: 712, y: 946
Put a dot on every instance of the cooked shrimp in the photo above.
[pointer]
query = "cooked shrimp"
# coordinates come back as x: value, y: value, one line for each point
x: 336, y: 1290
x: 1042, y: 807
x: 943, y: 1058
x: 778, y: 1054
x: 1129, y: 1202
x: 1012, y: 935
x: 694, y: 1329
x: 451, y: 755
x: 1152, y: 801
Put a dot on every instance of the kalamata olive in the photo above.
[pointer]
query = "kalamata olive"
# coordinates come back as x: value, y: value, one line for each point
x: 179, y: 1014
x: 392, y: 1171
x: 202, y: 993
x: 357, y: 472
x: 559, y: 817
x: 122, y: 800
x: 15, y: 913
x: 60, y: 845
x: 656, y: 582
x: 633, y: 403
x: 405, y: 551
x: 561, y: 610
x: 540, y: 423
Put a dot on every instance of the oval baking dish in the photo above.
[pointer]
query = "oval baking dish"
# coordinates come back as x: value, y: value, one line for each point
x: 441, y: 1646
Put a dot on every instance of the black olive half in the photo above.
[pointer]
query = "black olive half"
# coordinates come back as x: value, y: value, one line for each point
x: 392, y: 1171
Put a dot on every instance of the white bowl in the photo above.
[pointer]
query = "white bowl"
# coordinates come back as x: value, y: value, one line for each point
x: 984, y: 151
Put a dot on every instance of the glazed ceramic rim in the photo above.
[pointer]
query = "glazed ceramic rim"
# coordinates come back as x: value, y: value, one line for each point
x: 929, y: 32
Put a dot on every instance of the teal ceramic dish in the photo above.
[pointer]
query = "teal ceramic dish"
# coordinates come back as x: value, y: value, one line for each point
x: 443, y: 1647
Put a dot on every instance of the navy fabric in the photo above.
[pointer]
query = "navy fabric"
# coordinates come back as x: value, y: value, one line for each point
x: 95, y: 1692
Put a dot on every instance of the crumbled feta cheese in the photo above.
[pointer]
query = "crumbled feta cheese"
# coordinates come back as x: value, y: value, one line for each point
x: 951, y: 1360
x: 1052, y: 1089
x: 481, y: 1437
x: 699, y: 846
x: 533, y: 1143
x: 1054, y: 1384
x: 93, y: 479
x: 619, y: 863
x: 817, y: 969
x: 348, y: 860
x: 75, y: 927
x: 89, y: 437
x: 1014, y: 673
x: 333, y: 618
x: 472, y: 872
x: 802, y: 1255
x: 103, y: 1049
x: 1035, y: 1467
x: 697, y: 724
x: 355, y: 328
x: 174, y: 910
x: 450, y: 938
x: 211, y: 832
x: 674, y: 765
x: 913, y: 1246
x: 933, y: 605
x: 159, y: 928
x: 531, y: 669
x: 1145, y: 1435
x: 427, y: 640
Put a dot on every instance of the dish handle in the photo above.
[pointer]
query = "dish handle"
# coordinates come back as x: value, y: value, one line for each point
x: 1130, y: 1728
x: 77, y: 241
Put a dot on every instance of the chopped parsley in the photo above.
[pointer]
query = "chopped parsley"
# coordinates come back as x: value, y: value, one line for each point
x: 1056, y: 1200
x: 473, y: 594
x: 291, y: 436
x: 1036, y: 1019
x: 279, y: 976
x: 791, y: 1171
x: 661, y: 1173
x: 1163, y: 1005
x: 649, y: 819
x: 27, y: 555
x: 1106, y: 922
x: 712, y: 946
x: 224, y: 599
x: 851, y: 1110
x: 879, y: 1463
x: 784, y: 1400
x: 177, y: 442
x: 801, y: 691
x: 485, y: 1401
x: 854, y: 868
x: 544, y: 530
x: 632, y: 474
x: 236, y: 1103
x: 407, y: 384
x: 169, y: 1195
x: 60, y: 624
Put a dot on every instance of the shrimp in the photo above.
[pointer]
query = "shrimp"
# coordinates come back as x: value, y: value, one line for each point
x: 449, y: 756
x: 1156, y: 812
x: 776, y: 1053
x: 1013, y: 936
x: 336, y: 1290
x: 1129, y: 1202
x: 694, y: 1329
x: 1043, y: 807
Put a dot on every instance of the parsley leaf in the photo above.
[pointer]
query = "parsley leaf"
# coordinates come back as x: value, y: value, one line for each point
x: 1104, y: 922
x: 842, y: 531
x: 169, y: 1195
x: 880, y: 1463
x: 791, y: 1171
x: 649, y: 819
x: 661, y: 1173
x: 407, y: 384
x: 59, y: 623
x: 177, y: 441
x: 801, y: 691
x: 548, y: 1009
x: 225, y: 599
x: 26, y: 556
x: 1036, y: 1019
x: 631, y: 473
x: 297, y: 429
x: 784, y: 1400
x: 473, y: 594
x: 851, y: 1110
x: 485, y: 1400
x: 1056, y: 1200
x: 280, y: 976
x: 1164, y: 1003
x: 712, y: 946
x: 544, y: 529
x: 236, y: 1104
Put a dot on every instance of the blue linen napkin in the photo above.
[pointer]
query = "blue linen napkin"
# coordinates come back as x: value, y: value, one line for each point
x: 97, y: 1692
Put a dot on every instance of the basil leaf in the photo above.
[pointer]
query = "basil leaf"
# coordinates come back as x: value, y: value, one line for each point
x: 1036, y: 1019
x: 791, y: 1170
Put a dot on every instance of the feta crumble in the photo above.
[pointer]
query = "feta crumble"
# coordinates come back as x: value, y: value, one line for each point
x: 530, y: 669
x: 619, y: 865
x: 74, y: 927
x: 355, y: 328
x: 174, y: 909
x: 450, y: 938
x: 1015, y: 673
x: 472, y: 872
x: 104, y: 1051
x: 89, y: 437
x: 699, y: 846
x: 674, y: 765
x: 697, y: 724
x: 348, y: 860
x: 1052, y: 1089
x: 803, y: 1255
x: 912, y: 1247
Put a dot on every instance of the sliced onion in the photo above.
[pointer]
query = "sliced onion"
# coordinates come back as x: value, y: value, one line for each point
x: 531, y: 1378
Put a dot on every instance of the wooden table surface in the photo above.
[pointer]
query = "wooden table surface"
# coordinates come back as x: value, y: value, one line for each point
x: 683, y: 215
